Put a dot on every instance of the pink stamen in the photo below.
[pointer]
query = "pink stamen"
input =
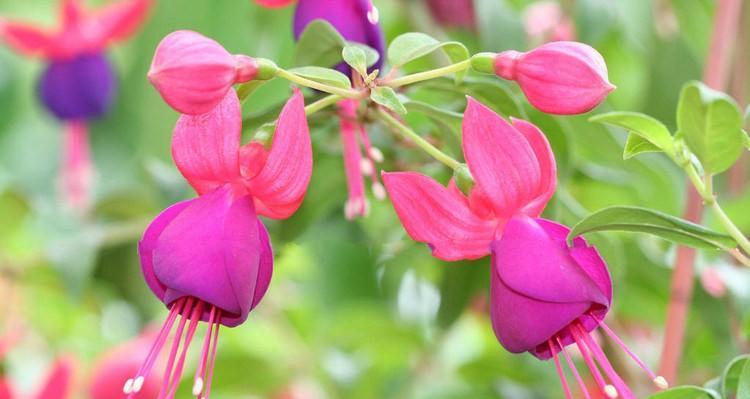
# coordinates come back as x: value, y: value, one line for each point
x: 194, y: 319
x: 560, y: 372
x: 601, y: 358
x: 607, y: 389
x: 212, y: 360
x: 573, y: 368
x: 175, y: 347
x: 660, y: 381
x: 76, y: 173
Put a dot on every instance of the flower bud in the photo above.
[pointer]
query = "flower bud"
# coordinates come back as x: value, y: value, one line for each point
x: 562, y: 78
x: 193, y: 73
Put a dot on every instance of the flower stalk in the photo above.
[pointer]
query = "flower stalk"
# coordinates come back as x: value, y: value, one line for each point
x: 406, y: 132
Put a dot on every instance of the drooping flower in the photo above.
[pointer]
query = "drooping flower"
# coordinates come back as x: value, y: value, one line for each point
x: 545, y: 21
x: 193, y: 73
x: 357, y: 21
x: 120, y: 363
x: 78, y: 84
x: 562, y: 78
x: 210, y: 259
x: 58, y: 384
x: 544, y: 295
x: 453, y: 13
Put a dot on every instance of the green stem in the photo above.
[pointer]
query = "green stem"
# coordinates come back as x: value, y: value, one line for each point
x: 431, y: 74
x: 405, y: 131
x: 731, y: 228
x: 292, y: 77
x: 322, y: 103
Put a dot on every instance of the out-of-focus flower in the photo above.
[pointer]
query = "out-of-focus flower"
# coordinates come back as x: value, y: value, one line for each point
x: 78, y: 83
x: 545, y: 21
x: 544, y: 295
x: 562, y: 78
x: 120, y: 363
x: 453, y: 13
x: 193, y: 73
x: 184, y: 247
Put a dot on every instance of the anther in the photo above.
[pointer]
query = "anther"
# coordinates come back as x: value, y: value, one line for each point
x: 661, y: 382
x: 128, y: 387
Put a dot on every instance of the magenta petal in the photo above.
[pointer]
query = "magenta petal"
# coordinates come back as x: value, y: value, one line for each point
x: 504, y: 161
x: 521, y: 323
x: 206, y: 147
x: 212, y: 251
x: 148, y: 243
x: 537, y: 264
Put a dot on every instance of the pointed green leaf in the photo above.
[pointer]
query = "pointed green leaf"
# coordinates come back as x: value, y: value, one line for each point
x: 638, y: 145
x: 642, y: 125
x: 710, y: 122
x: 686, y: 392
x: 386, y: 97
x: 323, y: 75
x: 319, y: 44
x: 642, y: 220
x: 356, y: 58
x: 410, y: 46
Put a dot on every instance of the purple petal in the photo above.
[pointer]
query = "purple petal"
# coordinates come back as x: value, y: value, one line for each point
x: 349, y: 17
x: 524, y: 324
x: 213, y: 251
x: 148, y: 243
x: 533, y: 259
x: 79, y: 88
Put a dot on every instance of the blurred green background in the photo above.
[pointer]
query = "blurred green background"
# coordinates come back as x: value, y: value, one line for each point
x: 355, y: 309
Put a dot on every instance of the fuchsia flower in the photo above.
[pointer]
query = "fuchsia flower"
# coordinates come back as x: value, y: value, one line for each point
x: 120, y: 363
x: 544, y: 295
x: 210, y: 259
x: 562, y: 78
x: 78, y: 84
x: 193, y: 73
x: 453, y: 13
x: 545, y: 21
x: 356, y: 166
x: 57, y: 385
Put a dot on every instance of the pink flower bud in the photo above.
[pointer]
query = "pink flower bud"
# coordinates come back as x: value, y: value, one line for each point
x: 561, y: 78
x: 193, y: 73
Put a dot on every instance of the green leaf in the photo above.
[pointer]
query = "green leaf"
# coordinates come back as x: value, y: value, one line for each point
x: 641, y: 125
x: 710, y: 122
x: 356, y: 58
x: 686, y: 392
x: 413, y: 45
x: 246, y: 89
x: 635, y: 219
x: 386, y: 97
x: 371, y: 55
x: 734, y: 375
x: 323, y: 75
x: 638, y: 145
x: 319, y: 44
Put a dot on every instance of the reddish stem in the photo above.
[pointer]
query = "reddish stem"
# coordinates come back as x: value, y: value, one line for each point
x: 715, y: 75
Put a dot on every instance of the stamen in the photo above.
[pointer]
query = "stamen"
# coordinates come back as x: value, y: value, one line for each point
x: 560, y: 373
x: 601, y: 358
x: 658, y: 380
x: 574, y: 370
x: 194, y: 319
x: 175, y: 346
x: 212, y: 359
x: 200, y: 372
x: 608, y: 390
